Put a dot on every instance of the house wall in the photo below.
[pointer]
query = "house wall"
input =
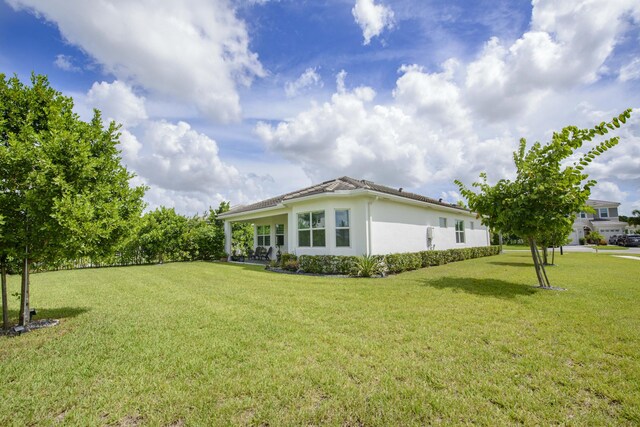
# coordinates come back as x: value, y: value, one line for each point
x: 357, y: 219
x: 398, y: 227
x: 578, y: 230
x: 610, y: 226
x: 609, y: 230
x: 377, y: 226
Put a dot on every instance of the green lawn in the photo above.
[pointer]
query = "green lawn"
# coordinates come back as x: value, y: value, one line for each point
x: 221, y: 344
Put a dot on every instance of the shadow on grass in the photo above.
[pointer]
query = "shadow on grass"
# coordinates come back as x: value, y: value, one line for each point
x: 52, y: 313
x: 483, y: 287
x: 512, y: 264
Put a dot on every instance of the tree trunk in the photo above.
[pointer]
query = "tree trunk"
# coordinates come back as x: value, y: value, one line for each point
x: 553, y: 256
x: 25, y: 310
x: 5, y: 302
x: 545, y: 255
x: 543, y: 281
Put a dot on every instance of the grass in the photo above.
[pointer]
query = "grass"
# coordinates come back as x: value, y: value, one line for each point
x: 516, y: 247
x: 221, y: 344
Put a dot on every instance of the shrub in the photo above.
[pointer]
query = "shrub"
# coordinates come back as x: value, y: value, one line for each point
x: 397, y: 263
x: 291, y: 265
x: 369, y: 265
x: 286, y: 257
x: 582, y: 240
x: 393, y: 263
x: 327, y: 264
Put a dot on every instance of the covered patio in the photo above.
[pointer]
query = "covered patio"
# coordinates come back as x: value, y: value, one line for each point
x: 270, y: 237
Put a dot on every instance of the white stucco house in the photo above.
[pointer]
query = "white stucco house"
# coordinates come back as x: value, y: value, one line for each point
x: 604, y: 221
x: 346, y: 216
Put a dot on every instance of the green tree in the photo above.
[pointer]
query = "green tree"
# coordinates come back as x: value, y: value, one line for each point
x: 3, y: 284
x: 545, y: 194
x: 160, y: 235
x: 63, y: 190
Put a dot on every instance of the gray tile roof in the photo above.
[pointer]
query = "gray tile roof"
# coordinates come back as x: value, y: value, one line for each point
x: 344, y: 183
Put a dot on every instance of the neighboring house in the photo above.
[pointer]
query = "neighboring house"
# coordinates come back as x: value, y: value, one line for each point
x: 604, y: 221
x: 346, y: 216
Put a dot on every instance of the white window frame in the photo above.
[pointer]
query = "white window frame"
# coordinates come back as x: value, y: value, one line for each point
x: 442, y: 220
x: 583, y: 215
x: 600, y: 212
x: 263, y: 235
x: 348, y: 227
x: 279, y: 234
x: 311, y: 229
x: 459, y: 231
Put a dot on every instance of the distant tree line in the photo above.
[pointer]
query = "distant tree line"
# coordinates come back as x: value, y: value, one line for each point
x: 632, y: 220
x: 163, y: 235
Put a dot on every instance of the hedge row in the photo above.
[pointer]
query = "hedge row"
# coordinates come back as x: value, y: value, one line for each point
x: 327, y: 264
x: 395, y: 263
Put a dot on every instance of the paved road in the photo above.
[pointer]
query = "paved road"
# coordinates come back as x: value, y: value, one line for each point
x: 588, y: 249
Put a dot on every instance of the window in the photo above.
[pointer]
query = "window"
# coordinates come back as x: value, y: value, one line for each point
x: 583, y: 214
x: 279, y: 234
x: 459, y: 231
x: 471, y: 226
x: 603, y: 212
x: 264, y: 235
x: 443, y: 222
x: 342, y: 228
x: 311, y: 229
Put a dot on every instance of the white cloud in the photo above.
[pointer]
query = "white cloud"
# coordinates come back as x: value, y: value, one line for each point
x: 608, y: 191
x: 195, y: 52
x: 117, y: 102
x: 372, y: 18
x: 64, y: 62
x: 566, y: 46
x: 181, y: 166
x: 184, y: 170
x: 434, y: 98
x: 179, y: 158
x: 401, y: 143
x: 130, y: 147
x: 309, y: 78
x: 630, y: 71
x: 622, y: 162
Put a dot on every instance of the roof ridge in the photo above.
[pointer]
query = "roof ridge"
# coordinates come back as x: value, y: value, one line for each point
x: 344, y: 183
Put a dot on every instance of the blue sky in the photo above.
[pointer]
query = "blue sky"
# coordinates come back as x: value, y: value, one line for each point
x: 241, y: 100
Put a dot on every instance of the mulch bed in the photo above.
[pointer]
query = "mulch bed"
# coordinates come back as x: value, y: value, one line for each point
x: 36, y: 324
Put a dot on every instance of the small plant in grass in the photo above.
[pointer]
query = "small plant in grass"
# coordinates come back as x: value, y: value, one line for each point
x: 368, y: 266
x: 597, y: 239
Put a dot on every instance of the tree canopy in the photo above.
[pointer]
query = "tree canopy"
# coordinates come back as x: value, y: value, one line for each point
x: 63, y: 189
x: 548, y: 190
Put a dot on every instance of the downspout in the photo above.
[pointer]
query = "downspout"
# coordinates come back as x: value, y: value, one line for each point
x: 369, y: 220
